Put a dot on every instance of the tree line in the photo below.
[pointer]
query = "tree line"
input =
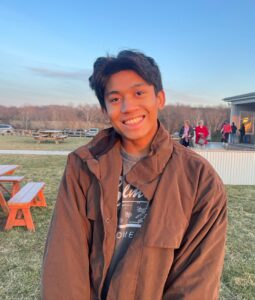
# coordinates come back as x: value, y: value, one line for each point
x: 85, y: 116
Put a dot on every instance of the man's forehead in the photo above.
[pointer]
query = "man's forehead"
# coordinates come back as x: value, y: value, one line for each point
x: 110, y: 91
x: 124, y: 79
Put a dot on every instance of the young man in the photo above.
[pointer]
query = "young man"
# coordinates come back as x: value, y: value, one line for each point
x: 129, y: 222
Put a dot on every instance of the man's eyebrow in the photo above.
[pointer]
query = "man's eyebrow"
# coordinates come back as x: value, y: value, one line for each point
x: 118, y: 92
x: 139, y: 84
x: 111, y: 92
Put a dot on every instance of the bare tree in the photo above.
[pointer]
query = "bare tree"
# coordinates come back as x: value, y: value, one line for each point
x: 85, y: 116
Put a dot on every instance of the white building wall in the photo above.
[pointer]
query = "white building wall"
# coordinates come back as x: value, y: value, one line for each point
x: 234, y: 167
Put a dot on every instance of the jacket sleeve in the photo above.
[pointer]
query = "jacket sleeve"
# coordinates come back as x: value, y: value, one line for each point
x: 197, y: 266
x: 65, y: 270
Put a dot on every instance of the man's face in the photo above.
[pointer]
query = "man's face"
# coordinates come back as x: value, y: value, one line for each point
x: 132, y: 107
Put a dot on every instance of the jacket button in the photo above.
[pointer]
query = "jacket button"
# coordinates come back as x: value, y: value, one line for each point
x: 107, y: 220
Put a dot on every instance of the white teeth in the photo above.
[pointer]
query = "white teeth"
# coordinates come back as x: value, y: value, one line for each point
x: 133, y: 121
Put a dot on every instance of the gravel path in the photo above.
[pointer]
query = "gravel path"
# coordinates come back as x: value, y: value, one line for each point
x: 210, y: 146
x: 34, y: 152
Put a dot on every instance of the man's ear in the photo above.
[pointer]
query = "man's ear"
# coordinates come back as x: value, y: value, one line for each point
x: 161, y: 99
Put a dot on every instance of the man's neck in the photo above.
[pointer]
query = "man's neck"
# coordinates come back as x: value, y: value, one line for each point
x: 136, y: 149
x: 132, y: 157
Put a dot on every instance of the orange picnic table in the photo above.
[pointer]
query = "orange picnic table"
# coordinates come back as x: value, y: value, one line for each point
x: 50, y: 135
x: 18, y: 207
x: 8, y: 169
x: 5, y: 172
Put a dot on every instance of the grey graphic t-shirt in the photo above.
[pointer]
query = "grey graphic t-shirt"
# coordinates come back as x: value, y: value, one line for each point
x: 132, y: 209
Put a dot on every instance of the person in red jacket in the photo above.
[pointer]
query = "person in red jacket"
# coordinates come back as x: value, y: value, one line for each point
x: 226, y: 130
x: 201, y: 134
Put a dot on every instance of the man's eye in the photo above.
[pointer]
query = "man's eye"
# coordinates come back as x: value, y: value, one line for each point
x: 113, y: 100
x: 139, y: 93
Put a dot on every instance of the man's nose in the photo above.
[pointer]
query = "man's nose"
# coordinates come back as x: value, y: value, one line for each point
x: 128, y: 104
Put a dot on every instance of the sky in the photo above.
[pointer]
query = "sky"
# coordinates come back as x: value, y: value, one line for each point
x: 204, y: 48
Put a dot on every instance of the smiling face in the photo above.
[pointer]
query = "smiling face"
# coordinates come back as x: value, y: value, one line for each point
x: 132, y: 108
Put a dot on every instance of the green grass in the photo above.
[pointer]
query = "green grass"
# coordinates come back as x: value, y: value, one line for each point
x: 239, y: 268
x: 21, y: 251
x: 12, y: 142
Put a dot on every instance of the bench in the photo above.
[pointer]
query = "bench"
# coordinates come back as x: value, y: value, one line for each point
x: 47, y: 138
x: 61, y: 137
x: 40, y: 138
x: 19, y: 205
x: 15, y: 180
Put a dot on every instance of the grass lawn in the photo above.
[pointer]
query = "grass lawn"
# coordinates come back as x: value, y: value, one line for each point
x: 12, y: 142
x: 239, y: 269
x: 21, y: 251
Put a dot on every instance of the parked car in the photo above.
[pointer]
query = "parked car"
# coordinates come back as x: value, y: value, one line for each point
x: 6, y: 129
x: 92, y: 132
x: 74, y: 132
x: 80, y: 132
x: 68, y: 131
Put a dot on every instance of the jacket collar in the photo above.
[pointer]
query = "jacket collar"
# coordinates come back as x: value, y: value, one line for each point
x: 105, y: 142
x: 103, y: 158
x: 146, y: 174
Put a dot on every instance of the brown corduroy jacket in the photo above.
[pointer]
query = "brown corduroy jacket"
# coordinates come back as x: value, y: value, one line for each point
x: 177, y: 254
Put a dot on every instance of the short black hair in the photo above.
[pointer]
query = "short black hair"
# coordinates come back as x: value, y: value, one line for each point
x: 136, y: 61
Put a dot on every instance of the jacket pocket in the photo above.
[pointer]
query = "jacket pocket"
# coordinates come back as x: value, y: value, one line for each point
x: 164, y: 232
x: 160, y: 242
x: 164, y: 239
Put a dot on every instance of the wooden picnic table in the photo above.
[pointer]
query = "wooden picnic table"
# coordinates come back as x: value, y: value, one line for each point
x: 8, y: 169
x: 50, y: 135
x: 5, y: 172
x: 14, y: 181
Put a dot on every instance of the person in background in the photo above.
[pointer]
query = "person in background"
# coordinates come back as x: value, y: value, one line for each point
x: 233, y: 133
x: 186, y: 134
x: 225, y: 131
x: 201, y: 134
x: 242, y: 132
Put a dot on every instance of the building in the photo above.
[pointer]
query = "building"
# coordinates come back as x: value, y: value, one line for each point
x: 243, y: 110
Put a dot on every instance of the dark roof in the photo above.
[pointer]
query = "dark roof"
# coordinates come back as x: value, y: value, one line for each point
x: 244, y: 98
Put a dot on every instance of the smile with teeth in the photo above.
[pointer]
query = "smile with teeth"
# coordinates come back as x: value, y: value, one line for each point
x: 133, y: 121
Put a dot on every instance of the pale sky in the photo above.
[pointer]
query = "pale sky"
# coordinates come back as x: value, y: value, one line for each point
x: 204, y: 48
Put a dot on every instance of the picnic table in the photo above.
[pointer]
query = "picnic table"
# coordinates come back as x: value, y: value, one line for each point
x: 8, y: 169
x: 50, y: 135
x: 17, y: 208
x: 5, y: 171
